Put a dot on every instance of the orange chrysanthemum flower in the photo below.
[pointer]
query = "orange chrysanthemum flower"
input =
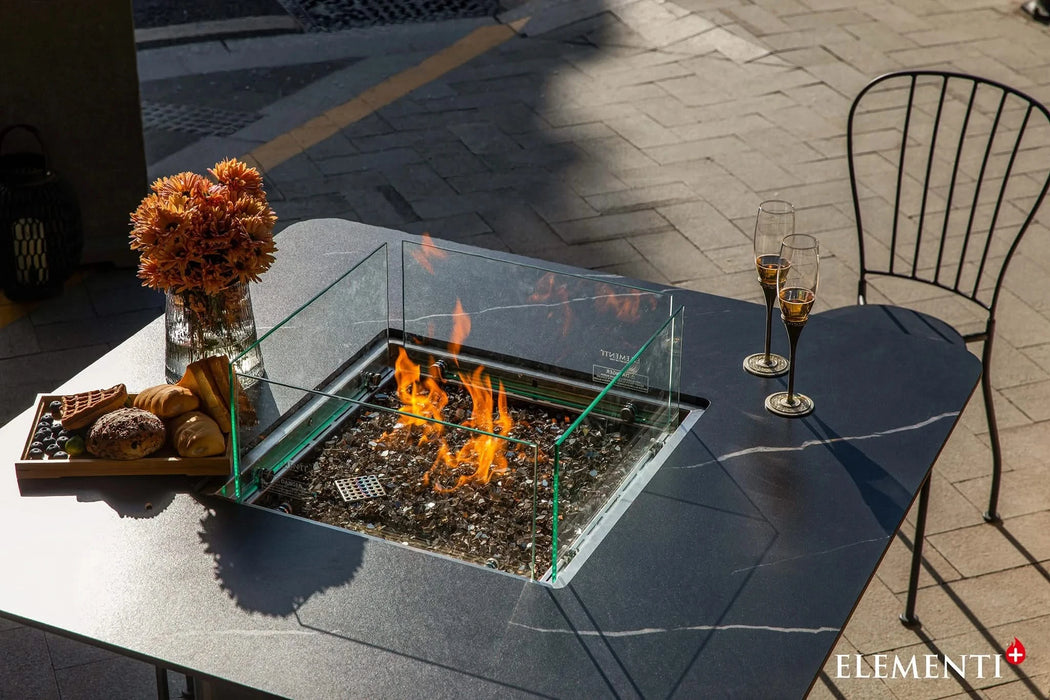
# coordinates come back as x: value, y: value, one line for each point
x: 195, y: 234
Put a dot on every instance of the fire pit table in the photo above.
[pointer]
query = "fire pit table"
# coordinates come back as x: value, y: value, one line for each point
x: 671, y: 538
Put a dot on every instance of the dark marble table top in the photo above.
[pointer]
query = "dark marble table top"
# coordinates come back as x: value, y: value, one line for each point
x: 731, y: 574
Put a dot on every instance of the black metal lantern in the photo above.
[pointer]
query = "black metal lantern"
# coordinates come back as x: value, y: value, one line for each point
x: 41, y: 238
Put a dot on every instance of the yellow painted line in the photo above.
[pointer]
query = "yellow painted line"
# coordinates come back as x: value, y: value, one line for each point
x: 271, y: 154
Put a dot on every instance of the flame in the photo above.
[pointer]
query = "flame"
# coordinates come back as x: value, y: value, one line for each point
x: 423, y: 399
x: 626, y: 307
x: 426, y: 252
x: 483, y: 452
x: 547, y: 290
x: 1015, y: 653
x: 460, y: 330
x: 422, y: 402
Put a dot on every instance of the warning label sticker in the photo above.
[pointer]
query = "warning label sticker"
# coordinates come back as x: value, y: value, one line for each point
x: 630, y: 380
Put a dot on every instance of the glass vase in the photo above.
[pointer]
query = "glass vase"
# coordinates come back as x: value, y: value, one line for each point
x: 198, y: 325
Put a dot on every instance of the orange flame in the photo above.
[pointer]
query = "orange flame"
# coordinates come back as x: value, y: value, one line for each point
x: 425, y: 402
x: 483, y: 452
x: 626, y: 307
x: 426, y: 252
x: 422, y: 402
x: 547, y: 290
x: 460, y: 330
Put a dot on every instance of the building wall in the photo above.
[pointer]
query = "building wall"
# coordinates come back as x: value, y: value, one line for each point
x: 68, y: 68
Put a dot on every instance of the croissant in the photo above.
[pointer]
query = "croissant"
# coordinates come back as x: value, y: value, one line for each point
x: 195, y: 434
x: 166, y: 400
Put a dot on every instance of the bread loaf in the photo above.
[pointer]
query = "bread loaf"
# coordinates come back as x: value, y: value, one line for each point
x: 194, y: 434
x: 209, y: 379
x: 127, y: 433
x: 167, y: 400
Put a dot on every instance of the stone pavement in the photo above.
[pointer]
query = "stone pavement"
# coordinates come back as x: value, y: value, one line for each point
x: 634, y: 137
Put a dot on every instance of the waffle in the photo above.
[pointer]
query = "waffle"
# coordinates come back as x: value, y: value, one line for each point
x: 81, y: 410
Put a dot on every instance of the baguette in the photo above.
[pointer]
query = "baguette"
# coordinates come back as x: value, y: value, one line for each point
x: 200, y: 380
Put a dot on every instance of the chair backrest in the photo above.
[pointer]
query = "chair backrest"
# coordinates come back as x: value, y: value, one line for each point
x: 947, y: 172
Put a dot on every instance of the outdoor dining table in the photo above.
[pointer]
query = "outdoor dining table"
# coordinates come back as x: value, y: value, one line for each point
x: 732, y: 573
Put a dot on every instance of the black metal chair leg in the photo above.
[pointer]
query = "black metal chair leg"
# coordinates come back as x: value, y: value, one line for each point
x: 908, y: 618
x: 162, y: 683
x: 992, y: 514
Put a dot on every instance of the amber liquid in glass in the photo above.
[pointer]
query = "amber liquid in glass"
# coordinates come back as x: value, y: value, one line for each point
x: 795, y: 304
x: 768, y: 267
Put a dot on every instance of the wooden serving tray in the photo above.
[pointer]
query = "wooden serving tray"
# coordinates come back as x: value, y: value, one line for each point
x: 163, y: 461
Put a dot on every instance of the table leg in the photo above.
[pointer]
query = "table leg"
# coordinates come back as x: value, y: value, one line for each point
x: 908, y: 618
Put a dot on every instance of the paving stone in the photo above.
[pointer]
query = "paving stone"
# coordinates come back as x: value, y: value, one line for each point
x: 1021, y: 490
x: 703, y: 225
x: 641, y: 198
x: 118, y: 678
x: 829, y: 685
x: 965, y: 456
x: 643, y: 131
x: 948, y: 509
x: 754, y: 169
x: 873, y: 627
x: 453, y: 228
x: 520, y: 228
x: 895, y: 569
x: 674, y: 256
x: 618, y: 154
x: 564, y: 207
x: 723, y: 127
x: 369, y: 161
x: 610, y: 226
x: 589, y: 179
x: 641, y: 270
x: 1001, y: 598
x: 982, y: 549
x: 591, y: 255
x: 739, y: 285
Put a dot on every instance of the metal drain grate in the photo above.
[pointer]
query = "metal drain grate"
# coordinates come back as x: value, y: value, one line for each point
x: 206, y: 121
x: 289, y: 490
x: 358, y: 488
x: 333, y: 15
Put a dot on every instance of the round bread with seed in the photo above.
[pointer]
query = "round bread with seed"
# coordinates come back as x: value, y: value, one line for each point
x: 127, y: 433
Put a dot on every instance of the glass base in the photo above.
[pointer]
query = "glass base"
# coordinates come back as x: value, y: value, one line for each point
x: 756, y: 365
x: 800, y: 405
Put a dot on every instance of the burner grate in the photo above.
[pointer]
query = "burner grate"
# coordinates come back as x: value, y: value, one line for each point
x: 358, y: 488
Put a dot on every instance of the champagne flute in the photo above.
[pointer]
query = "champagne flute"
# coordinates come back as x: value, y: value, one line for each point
x: 776, y: 219
x: 797, y: 289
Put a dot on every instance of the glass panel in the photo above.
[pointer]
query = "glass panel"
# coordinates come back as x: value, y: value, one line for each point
x: 514, y: 404
x: 431, y: 484
x: 621, y: 430
x: 527, y: 317
x: 343, y: 330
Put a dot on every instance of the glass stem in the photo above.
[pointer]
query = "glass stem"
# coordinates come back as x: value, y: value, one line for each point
x: 794, y: 330
x: 771, y: 294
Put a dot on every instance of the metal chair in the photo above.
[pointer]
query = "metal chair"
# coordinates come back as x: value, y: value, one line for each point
x: 947, y: 172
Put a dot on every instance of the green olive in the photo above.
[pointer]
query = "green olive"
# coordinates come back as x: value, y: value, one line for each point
x: 75, y: 446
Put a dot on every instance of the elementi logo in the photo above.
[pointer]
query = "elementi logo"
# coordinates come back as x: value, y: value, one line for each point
x: 928, y: 665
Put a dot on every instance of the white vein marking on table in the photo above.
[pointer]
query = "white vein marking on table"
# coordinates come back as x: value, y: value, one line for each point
x: 536, y: 304
x: 247, y: 633
x: 813, y: 443
x: 687, y: 628
x: 812, y: 554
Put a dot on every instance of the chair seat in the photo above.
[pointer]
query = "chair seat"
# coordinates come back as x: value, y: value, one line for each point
x: 897, y: 319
